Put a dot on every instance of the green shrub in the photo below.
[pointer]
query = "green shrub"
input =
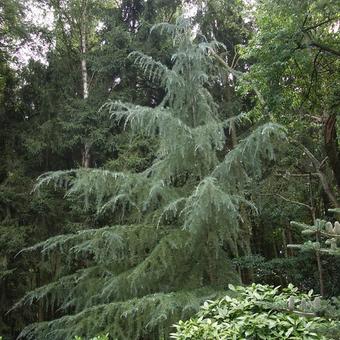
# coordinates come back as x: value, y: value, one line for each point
x: 98, y: 337
x: 256, y: 312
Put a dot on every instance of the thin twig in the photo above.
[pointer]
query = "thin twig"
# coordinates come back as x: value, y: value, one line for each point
x: 290, y: 201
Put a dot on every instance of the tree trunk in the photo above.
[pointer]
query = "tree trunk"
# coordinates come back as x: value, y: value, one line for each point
x: 318, y: 261
x: 323, y: 179
x: 332, y: 147
x: 319, y: 264
x: 284, y: 242
x: 86, y: 155
x: 290, y: 239
x: 83, y: 52
x: 212, y: 258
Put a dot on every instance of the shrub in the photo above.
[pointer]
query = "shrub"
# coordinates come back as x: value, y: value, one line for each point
x: 99, y: 337
x: 256, y: 312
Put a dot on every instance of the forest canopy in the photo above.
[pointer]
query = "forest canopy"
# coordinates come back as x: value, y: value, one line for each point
x: 154, y: 153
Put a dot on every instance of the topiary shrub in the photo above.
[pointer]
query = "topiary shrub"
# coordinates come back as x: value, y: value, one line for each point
x: 256, y: 312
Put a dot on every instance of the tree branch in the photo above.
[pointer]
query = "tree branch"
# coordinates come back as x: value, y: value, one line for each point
x: 290, y: 201
x: 325, y: 48
x: 320, y: 24
x: 237, y: 74
x: 317, y: 166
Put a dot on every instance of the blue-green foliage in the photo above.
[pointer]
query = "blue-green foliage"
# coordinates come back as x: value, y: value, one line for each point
x: 136, y: 280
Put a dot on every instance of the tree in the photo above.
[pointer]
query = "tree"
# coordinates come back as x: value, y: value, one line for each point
x: 137, y: 280
x: 12, y: 26
x: 76, y: 23
x: 320, y: 229
x: 224, y: 22
x: 44, y: 121
x: 295, y: 66
x: 297, y: 85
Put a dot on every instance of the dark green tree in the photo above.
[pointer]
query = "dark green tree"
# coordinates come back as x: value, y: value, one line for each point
x: 44, y: 121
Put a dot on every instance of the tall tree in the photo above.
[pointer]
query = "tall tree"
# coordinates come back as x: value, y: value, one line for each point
x: 78, y: 21
x: 189, y: 200
x: 292, y: 59
x: 44, y: 121
x: 296, y: 67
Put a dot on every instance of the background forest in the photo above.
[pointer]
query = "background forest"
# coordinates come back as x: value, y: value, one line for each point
x: 154, y: 151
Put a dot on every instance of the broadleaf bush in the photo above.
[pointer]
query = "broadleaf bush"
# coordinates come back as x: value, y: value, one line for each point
x: 256, y: 312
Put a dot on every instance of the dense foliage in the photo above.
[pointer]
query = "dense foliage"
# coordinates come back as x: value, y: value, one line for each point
x: 256, y: 312
x: 152, y: 152
x: 192, y: 194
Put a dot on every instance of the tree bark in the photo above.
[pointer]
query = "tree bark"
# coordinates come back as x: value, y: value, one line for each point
x: 320, y: 270
x: 86, y: 155
x: 332, y: 147
x: 318, y: 239
x: 83, y: 52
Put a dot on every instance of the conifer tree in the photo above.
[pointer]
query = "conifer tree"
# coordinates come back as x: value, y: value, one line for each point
x: 182, y: 215
x: 320, y: 230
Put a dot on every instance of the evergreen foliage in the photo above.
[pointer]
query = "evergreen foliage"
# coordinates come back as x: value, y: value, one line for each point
x: 180, y: 192
x: 43, y: 123
x: 193, y: 191
x: 322, y: 230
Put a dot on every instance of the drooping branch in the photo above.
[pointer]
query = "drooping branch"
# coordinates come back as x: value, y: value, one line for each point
x: 324, y: 182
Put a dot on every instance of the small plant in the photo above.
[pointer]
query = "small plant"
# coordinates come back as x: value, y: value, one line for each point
x: 256, y: 312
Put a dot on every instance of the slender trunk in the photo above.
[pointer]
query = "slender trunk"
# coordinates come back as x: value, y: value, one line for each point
x: 290, y: 239
x: 86, y: 155
x: 284, y: 241
x: 211, y: 253
x: 238, y: 268
x: 332, y: 147
x: 317, y: 253
x: 232, y: 129
x: 320, y: 270
x: 233, y: 134
x: 275, y: 251
x: 83, y: 54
